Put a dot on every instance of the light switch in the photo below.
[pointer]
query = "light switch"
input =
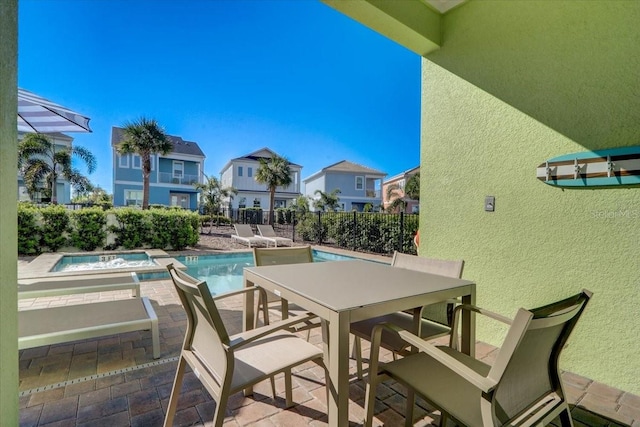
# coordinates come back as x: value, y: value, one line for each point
x: 489, y: 204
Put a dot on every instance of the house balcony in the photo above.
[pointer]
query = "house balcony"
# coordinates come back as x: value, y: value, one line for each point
x: 373, y: 194
x: 170, y: 178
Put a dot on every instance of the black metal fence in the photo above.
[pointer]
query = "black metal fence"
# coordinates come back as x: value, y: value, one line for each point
x: 358, y: 231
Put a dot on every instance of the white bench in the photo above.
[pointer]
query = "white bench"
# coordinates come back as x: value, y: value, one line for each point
x: 53, y: 325
x: 86, y: 283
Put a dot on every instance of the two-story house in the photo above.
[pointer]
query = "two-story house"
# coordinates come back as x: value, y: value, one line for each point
x: 172, y: 178
x: 397, y: 183
x: 359, y: 185
x: 63, y: 190
x: 240, y: 173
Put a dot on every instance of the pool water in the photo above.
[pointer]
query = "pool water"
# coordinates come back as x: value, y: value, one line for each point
x: 103, y: 261
x: 223, y: 272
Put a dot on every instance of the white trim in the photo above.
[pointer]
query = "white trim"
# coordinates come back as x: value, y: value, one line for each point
x: 356, y: 182
x: 173, y: 169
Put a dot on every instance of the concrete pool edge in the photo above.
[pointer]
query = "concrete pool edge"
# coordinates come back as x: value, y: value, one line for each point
x: 43, y: 264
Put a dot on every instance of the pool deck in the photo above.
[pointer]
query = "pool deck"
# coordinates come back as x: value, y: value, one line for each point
x: 115, y: 381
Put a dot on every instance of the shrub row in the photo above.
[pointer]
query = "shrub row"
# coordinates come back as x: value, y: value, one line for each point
x: 53, y: 227
x: 360, y: 231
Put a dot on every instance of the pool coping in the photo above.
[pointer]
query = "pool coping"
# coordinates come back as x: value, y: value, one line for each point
x: 42, y: 265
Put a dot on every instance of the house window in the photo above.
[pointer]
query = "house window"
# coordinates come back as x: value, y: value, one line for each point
x: 359, y: 182
x: 242, y: 203
x: 181, y: 200
x: 239, y: 170
x: 256, y: 202
x: 178, y: 169
x: 137, y: 162
x: 133, y: 197
x: 123, y: 160
x: 279, y: 203
x: 249, y: 172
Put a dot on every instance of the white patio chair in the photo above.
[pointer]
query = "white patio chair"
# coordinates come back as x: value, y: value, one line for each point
x: 268, y: 233
x: 244, y: 234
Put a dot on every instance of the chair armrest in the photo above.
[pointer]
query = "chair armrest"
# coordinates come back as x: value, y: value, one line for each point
x: 456, y: 319
x: 255, y: 334
x: 482, y: 383
x: 263, y: 299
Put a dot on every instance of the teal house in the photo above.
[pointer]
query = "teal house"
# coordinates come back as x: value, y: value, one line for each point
x: 507, y: 85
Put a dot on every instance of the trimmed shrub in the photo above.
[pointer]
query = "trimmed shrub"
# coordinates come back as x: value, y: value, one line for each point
x: 132, y: 230
x: 28, y: 230
x: 55, y: 227
x: 89, y: 228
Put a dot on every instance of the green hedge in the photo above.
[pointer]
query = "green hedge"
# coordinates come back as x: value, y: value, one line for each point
x: 54, y: 227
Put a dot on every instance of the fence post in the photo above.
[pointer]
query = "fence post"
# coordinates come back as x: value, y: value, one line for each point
x: 293, y: 226
x: 319, y: 234
x: 354, y: 233
x: 401, y: 235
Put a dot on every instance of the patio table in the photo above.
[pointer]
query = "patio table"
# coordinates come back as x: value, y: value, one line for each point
x: 341, y: 292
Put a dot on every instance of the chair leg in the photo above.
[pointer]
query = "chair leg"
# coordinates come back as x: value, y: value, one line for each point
x: 273, y: 387
x: 565, y: 418
x: 408, y: 413
x: 370, y: 399
x: 221, y: 405
x: 357, y: 350
x: 175, y: 393
x: 288, y: 389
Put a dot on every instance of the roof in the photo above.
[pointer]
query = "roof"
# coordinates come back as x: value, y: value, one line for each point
x: 180, y: 146
x: 404, y: 174
x: 263, y: 153
x: 346, y: 166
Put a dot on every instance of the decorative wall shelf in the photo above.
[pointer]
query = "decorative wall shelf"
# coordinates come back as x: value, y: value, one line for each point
x: 601, y: 168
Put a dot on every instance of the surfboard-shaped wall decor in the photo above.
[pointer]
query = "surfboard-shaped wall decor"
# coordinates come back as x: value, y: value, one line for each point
x: 601, y: 168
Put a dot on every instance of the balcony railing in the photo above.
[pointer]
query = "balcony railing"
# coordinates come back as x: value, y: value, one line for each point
x: 169, y: 178
x: 373, y: 193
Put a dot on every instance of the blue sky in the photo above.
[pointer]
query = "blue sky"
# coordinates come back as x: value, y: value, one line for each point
x: 232, y: 75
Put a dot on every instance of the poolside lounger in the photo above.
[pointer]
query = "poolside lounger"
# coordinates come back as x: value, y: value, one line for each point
x: 244, y: 234
x: 86, y: 283
x: 268, y: 233
x: 53, y: 325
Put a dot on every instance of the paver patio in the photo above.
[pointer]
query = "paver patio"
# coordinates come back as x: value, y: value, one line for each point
x: 115, y: 381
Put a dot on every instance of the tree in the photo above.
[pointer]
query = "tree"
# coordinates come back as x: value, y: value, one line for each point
x: 398, y: 195
x: 42, y: 161
x: 94, y: 196
x: 212, y: 195
x: 144, y: 137
x: 274, y: 172
x: 327, y: 201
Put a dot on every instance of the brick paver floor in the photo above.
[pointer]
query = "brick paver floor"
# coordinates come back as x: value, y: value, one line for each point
x: 114, y: 381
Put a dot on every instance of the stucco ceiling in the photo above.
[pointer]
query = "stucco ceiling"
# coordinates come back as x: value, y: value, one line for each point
x: 443, y: 5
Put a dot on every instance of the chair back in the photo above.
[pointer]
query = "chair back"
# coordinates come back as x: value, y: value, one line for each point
x: 266, y: 231
x: 527, y: 364
x: 441, y: 312
x: 244, y: 230
x: 277, y: 256
x: 206, y: 335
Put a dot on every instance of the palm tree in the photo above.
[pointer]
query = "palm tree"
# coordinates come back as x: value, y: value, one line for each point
x: 328, y: 201
x: 274, y: 172
x: 212, y: 195
x: 41, y: 160
x: 399, y: 195
x: 144, y: 137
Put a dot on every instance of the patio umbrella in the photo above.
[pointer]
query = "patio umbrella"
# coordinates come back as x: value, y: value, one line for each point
x: 36, y: 114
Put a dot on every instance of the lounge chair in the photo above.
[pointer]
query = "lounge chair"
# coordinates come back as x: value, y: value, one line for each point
x: 521, y: 388
x: 53, y: 325
x: 435, y: 318
x: 268, y: 233
x: 86, y: 283
x: 244, y: 234
x: 228, y: 364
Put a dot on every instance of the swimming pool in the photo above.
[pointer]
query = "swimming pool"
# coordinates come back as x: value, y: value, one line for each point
x: 223, y: 272
x: 103, y: 261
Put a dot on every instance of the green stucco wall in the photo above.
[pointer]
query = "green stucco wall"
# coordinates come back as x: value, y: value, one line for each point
x: 516, y: 83
x: 8, y: 215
